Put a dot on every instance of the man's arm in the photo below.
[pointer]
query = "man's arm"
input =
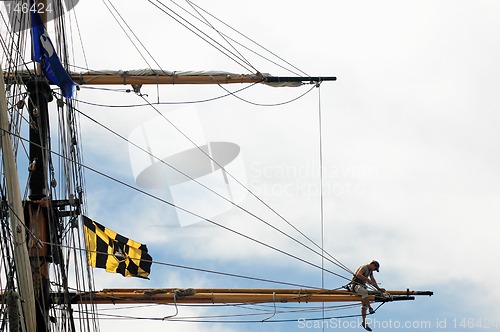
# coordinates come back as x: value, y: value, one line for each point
x: 360, y: 276
x: 374, y: 283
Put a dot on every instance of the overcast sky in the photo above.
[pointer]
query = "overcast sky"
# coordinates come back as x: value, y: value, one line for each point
x: 410, y: 146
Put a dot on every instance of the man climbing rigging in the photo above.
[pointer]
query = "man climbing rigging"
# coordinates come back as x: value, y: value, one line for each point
x: 362, y: 276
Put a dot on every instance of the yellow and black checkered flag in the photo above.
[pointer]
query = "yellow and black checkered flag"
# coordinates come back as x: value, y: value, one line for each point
x: 115, y: 253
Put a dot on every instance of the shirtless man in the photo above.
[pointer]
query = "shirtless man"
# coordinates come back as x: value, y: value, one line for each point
x: 362, y: 276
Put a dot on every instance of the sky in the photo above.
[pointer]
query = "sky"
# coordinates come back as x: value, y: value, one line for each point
x: 409, y: 153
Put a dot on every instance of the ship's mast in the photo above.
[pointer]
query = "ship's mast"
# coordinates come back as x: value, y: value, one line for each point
x: 36, y: 208
x: 17, y: 222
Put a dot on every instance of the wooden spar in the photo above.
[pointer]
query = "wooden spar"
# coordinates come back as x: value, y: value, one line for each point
x: 218, y: 295
x: 225, y: 78
x: 157, y: 78
x: 115, y: 79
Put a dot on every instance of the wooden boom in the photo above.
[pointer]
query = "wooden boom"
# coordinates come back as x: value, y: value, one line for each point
x: 223, y: 295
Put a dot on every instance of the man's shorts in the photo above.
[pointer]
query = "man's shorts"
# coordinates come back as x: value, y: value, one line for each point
x: 360, y: 290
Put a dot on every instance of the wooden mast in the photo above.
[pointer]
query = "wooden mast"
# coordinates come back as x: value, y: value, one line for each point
x: 17, y: 224
x: 36, y: 208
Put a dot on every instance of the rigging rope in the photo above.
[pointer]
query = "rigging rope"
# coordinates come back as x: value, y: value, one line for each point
x: 228, y: 93
x: 218, y: 318
x: 197, y: 269
x: 84, y: 54
x: 133, y: 34
x: 14, y: 46
x: 198, y: 32
x: 220, y: 34
x: 335, y: 261
x: 157, y: 159
x: 321, y: 202
x: 321, y: 254
x: 258, y: 104
x: 298, y: 73
x: 204, y: 186
x: 197, y: 215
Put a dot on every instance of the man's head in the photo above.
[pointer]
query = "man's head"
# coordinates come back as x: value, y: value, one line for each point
x: 375, y: 266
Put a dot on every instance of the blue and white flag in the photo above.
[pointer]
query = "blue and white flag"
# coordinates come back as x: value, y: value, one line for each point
x: 43, y: 52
